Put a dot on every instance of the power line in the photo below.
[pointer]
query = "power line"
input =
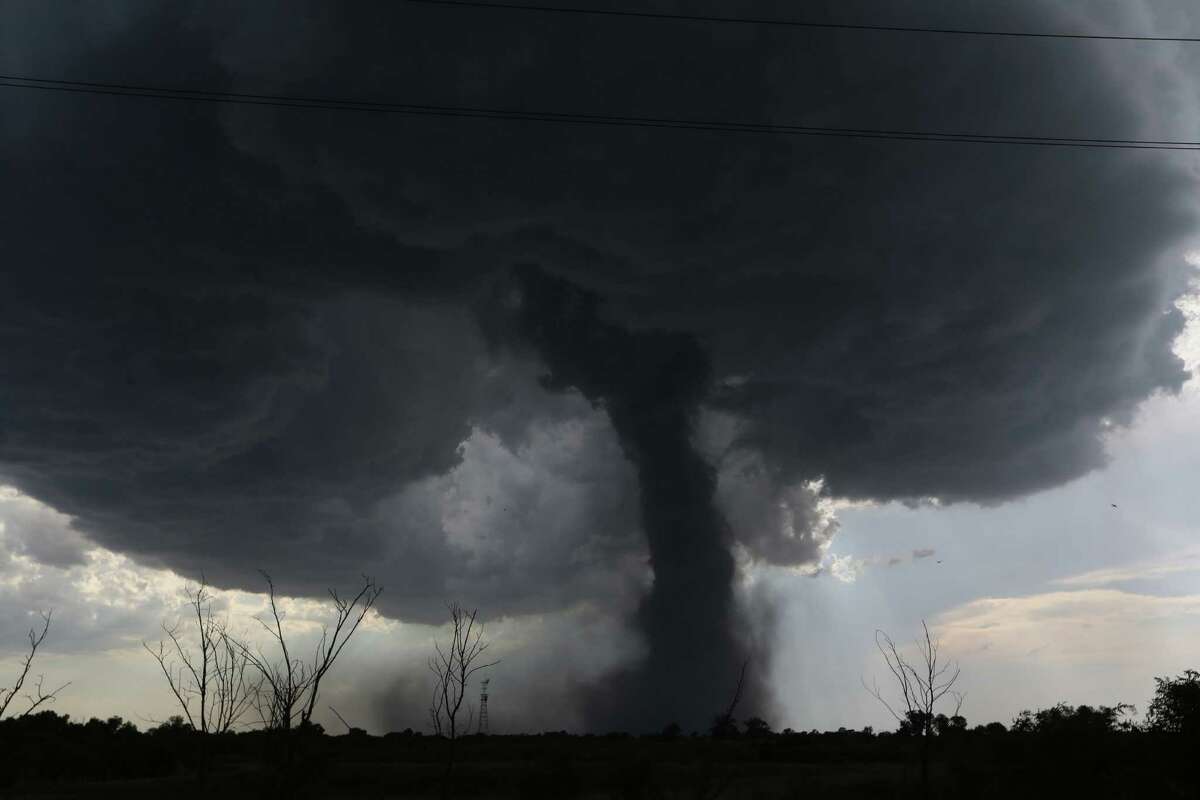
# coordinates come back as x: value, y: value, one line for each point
x: 792, y: 23
x: 571, y: 118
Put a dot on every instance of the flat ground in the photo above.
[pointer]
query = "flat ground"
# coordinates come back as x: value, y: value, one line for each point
x: 560, y: 767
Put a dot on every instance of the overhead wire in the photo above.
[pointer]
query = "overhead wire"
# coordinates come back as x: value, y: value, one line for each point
x: 792, y: 23
x: 571, y: 118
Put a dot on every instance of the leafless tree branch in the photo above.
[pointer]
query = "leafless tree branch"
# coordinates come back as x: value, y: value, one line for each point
x: 452, y: 667
x: 349, y: 727
x: 39, y: 696
x: 922, y: 684
x: 290, y: 686
x: 212, y: 687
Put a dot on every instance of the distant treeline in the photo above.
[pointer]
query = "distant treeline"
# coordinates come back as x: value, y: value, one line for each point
x: 1063, y: 751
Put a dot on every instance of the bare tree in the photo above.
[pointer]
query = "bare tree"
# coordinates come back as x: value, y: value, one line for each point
x: 452, y: 666
x: 39, y: 696
x: 291, y: 684
x: 923, y: 684
x: 716, y: 777
x: 349, y: 727
x: 724, y: 724
x: 213, y: 687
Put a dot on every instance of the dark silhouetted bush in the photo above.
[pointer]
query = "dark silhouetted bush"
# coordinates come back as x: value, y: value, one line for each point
x: 1175, y: 707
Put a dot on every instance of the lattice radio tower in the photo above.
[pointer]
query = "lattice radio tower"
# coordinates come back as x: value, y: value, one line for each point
x: 483, y: 696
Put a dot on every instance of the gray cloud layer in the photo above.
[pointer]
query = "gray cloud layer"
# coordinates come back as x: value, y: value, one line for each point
x: 244, y: 337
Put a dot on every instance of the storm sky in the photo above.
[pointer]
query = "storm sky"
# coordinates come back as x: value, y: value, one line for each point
x: 658, y: 402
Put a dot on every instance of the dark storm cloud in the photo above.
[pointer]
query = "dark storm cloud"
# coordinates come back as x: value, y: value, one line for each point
x: 242, y: 337
x: 909, y: 320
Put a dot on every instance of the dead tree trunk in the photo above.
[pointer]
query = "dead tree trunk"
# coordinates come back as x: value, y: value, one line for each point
x: 922, y: 684
x: 452, y: 667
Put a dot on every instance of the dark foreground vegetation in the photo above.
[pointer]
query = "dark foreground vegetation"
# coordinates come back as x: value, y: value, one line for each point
x: 1059, y: 752
x: 207, y: 752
